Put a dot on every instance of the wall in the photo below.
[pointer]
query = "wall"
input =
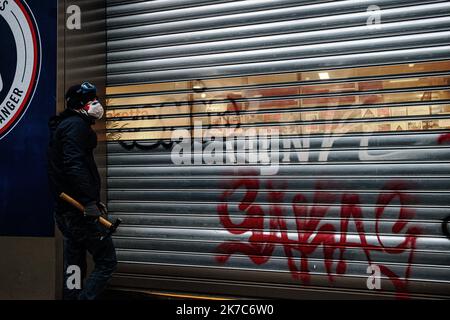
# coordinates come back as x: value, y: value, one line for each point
x: 28, y: 54
x: 31, y: 267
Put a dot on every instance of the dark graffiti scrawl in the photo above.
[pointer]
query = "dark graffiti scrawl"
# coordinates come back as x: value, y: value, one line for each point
x: 311, y: 232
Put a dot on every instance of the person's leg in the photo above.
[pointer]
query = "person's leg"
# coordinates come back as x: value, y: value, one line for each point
x: 104, y: 255
x: 74, y: 254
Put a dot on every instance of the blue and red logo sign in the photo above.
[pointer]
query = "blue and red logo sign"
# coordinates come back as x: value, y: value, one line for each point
x: 20, y: 61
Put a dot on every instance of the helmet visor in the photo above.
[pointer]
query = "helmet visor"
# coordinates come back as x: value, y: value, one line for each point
x: 88, y: 92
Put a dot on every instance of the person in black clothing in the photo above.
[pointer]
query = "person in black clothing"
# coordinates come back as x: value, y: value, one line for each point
x: 72, y: 170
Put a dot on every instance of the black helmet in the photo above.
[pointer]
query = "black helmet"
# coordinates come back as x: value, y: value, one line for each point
x: 78, y: 95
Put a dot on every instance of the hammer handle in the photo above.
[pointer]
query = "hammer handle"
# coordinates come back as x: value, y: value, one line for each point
x: 72, y: 201
x: 80, y: 207
x: 104, y: 222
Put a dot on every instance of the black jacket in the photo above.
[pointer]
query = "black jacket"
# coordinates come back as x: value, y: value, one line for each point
x: 71, y: 164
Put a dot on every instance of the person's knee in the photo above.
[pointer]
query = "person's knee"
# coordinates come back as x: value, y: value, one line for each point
x: 108, y: 266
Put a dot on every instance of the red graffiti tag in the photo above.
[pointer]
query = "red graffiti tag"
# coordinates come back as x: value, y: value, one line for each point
x: 311, y: 234
x: 444, y: 138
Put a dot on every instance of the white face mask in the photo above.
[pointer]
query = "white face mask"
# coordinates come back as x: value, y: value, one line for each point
x: 94, y: 109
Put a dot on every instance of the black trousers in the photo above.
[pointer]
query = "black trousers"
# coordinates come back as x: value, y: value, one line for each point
x: 82, y: 235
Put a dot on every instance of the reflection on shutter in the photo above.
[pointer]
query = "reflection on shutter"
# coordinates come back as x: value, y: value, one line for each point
x: 330, y: 160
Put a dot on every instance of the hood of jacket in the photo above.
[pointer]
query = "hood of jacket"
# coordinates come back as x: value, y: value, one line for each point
x: 54, y: 121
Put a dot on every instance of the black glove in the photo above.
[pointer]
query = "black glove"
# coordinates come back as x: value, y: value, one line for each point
x: 91, y: 210
x: 102, y: 207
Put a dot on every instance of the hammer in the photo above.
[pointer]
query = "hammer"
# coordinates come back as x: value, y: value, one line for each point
x: 109, y: 225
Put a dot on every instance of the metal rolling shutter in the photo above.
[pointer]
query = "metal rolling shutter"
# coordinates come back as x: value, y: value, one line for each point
x: 362, y: 113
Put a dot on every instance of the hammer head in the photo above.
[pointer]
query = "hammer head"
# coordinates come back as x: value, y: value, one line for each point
x: 111, y: 227
x: 114, y: 225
